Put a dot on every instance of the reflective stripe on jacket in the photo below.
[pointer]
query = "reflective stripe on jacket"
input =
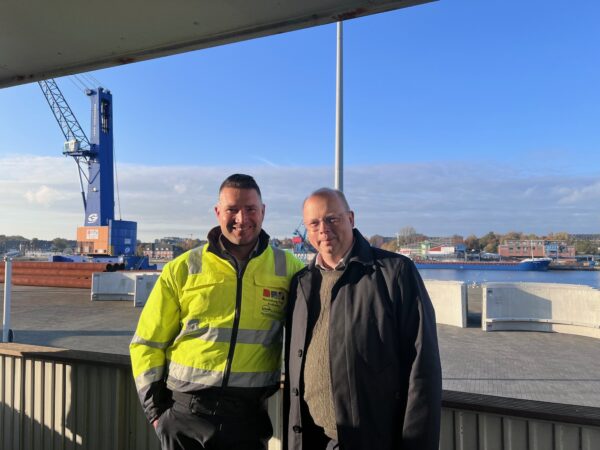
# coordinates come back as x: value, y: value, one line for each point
x: 204, y: 325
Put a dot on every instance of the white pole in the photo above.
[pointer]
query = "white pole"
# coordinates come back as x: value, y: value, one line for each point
x: 339, y: 113
x: 7, y: 285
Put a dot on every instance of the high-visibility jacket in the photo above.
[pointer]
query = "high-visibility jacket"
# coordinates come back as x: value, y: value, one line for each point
x: 206, y: 325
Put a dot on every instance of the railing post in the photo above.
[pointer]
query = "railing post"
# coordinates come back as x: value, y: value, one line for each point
x: 6, y: 332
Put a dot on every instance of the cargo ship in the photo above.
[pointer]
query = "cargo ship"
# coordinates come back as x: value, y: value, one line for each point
x: 535, y: 264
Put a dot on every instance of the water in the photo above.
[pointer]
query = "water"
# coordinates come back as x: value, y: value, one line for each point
x: 588, y: 278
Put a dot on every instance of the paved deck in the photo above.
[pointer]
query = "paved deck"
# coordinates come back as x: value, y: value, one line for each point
x: 536, y: 366
x: 67, y: 318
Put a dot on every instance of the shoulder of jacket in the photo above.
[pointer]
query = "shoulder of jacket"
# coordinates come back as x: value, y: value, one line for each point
x: 296, y: 263
x: 183, y: 261
x: 385, y: 258
x: 302, y: 274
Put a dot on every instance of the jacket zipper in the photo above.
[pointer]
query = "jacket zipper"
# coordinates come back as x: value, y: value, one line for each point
x: 236, y: 326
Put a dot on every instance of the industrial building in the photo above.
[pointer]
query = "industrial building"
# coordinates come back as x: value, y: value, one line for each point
x: 536, y: 248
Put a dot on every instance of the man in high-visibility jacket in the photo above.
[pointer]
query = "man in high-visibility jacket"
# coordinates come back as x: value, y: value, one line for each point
x: 207, y: 349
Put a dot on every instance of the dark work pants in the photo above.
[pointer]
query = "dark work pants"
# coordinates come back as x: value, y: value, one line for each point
x: 181, y: 429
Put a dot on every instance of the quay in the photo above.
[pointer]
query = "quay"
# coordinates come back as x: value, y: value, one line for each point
x: 497, y: 373
x: 552, y: 367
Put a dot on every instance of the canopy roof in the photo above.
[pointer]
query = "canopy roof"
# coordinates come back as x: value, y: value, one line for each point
x: 42, y: 39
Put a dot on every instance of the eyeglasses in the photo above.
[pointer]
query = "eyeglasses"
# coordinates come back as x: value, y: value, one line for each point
x: 332, y: 220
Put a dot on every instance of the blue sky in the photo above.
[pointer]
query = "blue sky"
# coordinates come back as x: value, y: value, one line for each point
x: 461, y: 116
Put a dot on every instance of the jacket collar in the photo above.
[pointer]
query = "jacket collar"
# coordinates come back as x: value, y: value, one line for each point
x: 361, y: 253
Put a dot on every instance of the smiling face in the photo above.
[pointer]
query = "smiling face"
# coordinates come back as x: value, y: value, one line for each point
x: 329, y: 226
x: 240, y: 213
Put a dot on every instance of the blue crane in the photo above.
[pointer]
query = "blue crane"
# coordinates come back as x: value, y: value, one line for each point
x: 100, y: 234
x: 301, y: 247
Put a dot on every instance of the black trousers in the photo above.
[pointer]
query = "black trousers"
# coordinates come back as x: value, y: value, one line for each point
x: 184, y: 427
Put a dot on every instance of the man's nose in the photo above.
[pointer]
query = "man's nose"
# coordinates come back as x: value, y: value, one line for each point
x: 324, y: 226
x: 240, y: 216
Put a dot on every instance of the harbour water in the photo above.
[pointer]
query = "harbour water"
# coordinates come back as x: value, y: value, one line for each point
x: 583, y: 277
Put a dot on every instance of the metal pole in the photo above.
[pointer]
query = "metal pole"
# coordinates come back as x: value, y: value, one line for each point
x: 7, y: 285
x: 339, y: 114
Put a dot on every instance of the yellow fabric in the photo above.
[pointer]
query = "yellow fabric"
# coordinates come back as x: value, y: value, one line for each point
x: 188, y: 318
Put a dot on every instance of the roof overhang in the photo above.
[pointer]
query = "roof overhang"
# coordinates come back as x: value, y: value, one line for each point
x: 42, y: 39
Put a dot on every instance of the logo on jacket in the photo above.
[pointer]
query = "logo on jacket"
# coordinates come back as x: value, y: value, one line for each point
x: 269, y: 294
x: 273, y: 303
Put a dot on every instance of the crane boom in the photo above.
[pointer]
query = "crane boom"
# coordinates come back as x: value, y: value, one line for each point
x: 62, y: 113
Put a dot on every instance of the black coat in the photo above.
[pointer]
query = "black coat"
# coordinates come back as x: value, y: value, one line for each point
x: 384, y: 359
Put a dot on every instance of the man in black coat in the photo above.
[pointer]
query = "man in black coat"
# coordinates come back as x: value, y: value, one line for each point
x: 362, y: 362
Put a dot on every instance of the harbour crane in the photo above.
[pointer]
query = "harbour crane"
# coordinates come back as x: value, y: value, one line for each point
x: 301, y: 246
x: 101, y: 233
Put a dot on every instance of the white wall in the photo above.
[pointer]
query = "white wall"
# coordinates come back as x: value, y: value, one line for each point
x: 449, y: 300
x: 563, y: 308
x: 134, y: 286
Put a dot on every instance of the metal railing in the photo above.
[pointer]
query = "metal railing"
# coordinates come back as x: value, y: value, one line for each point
x: 473, y: 422
x: 65, y: 399
x: 54, y: 399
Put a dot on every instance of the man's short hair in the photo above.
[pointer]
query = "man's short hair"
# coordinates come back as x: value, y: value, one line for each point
x: 240, y: 181
x: 324, y: 192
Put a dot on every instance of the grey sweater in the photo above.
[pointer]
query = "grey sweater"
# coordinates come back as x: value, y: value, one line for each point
x: 317, y: 376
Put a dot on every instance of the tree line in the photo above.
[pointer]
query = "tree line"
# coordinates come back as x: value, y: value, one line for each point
x: 8, y: 243
x: 407, y: 236
x: 489, y: 242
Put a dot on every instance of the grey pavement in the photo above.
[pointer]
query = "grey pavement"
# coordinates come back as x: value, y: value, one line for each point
x: 537, y: 366
x: 549, y: 367
x: 67, y: 318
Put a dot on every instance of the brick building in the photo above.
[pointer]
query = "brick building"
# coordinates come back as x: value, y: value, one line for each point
x: 162, y: 250
x: 537, y: 248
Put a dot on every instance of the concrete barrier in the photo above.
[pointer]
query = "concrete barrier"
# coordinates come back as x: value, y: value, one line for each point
x: 562, y: 308
x: 449, y: 300
x: 134, y: 286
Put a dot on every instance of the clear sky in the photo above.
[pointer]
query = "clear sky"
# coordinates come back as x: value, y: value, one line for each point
x: 461, y: 116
